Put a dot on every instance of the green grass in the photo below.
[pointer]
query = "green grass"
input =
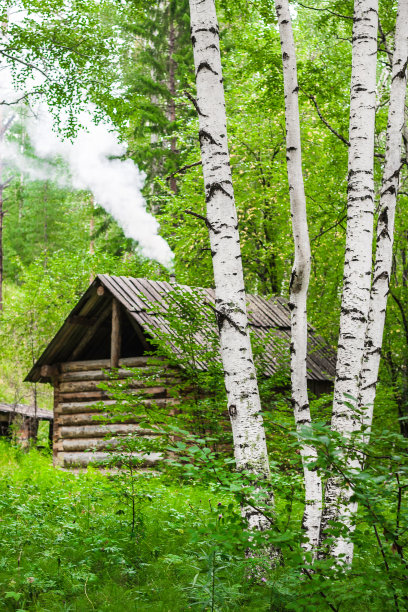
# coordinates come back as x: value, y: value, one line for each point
x: 67, y: 544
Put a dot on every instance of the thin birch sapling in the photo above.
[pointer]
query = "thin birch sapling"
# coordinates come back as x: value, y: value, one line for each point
x: 300, y: 274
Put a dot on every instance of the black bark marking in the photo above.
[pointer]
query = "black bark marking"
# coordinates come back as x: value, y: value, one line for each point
x: 194, y: 103
x: 401, y: 73
x: 204, y: 135
x: 383, y: 218
x: 212, y: 30
x: 221, y: 317
x: 382, y: 276
x: 212, y: 190
x: 233, y: 413
x: 302, y: 421
x: 205, y: 66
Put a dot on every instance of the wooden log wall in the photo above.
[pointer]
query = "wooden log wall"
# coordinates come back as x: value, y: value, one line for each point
x: 78, y: 437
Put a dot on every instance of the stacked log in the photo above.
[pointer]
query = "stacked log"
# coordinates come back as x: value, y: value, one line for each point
x: 80, y: 437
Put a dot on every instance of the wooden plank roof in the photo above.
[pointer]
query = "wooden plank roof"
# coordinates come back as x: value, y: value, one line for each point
x: 28, y: 411
x: 268, y: 319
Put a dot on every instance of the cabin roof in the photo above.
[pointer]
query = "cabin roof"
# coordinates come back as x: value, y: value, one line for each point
x: 29, y: 411
x: 268, y: 319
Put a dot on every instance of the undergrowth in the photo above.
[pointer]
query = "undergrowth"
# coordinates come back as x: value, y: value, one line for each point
x: 79, y: 542
x: 66, y: 544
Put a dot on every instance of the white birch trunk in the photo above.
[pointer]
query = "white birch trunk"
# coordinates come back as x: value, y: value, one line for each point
x: 240, y: 376
x: 300, y: 274
x: 385, y: 225
x: 358, y: 256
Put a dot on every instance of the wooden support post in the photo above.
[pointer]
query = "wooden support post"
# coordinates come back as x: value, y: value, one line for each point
x: 116, y: 336
x: 26, y: 429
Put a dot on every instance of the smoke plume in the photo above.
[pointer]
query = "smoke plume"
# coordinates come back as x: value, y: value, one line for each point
x: 92, y: 159
x: 116, y: 184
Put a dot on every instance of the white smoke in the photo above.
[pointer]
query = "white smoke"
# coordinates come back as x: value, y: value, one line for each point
x: 116, y: 184
x: 13, y: 158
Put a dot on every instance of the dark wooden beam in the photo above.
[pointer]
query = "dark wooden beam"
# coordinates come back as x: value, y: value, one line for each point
x: 80, y: 320
x: 90, y: 333
x: 139, y: 333
x: 116, y: 334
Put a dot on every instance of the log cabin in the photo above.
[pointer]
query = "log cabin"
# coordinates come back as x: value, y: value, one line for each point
x: 21, y: 421
x: 113, y: 326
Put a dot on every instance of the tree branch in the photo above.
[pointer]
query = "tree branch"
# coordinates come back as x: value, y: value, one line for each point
x: 384, y: 41
x: 322, y: 232
x: 202, y: 218
x: 23, y: 97
x: 403, y: 315
x: 313, y: 8
x: 6, y: 183
x: 183, y: 169
x: 326, y: 123
x: 6, y: 125
x: 27, y: 64
x: 194, y: 103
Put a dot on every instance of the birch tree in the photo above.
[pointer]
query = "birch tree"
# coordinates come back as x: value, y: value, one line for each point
x: 385, y: 225
x: 383, y: 257
x: 358, y: 255
x: 300, y: 274
x: 221, y: 219
x: 338, y: 502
